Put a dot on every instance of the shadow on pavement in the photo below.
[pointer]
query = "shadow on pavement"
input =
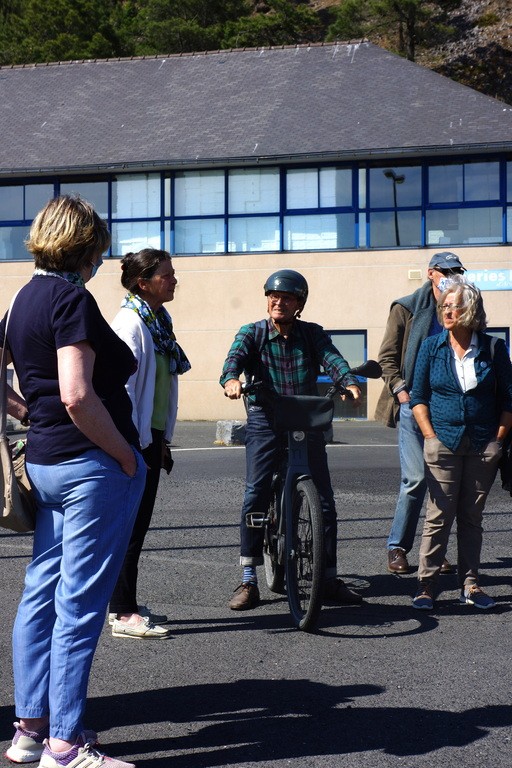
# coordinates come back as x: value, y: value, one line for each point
x: 268, y: 720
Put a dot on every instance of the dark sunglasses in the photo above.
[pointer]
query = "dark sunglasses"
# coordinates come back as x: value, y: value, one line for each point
x: 446, y: 272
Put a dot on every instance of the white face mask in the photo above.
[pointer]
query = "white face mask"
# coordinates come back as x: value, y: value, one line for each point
x: 443, y: 284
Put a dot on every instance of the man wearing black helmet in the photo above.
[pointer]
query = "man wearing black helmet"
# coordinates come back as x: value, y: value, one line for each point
x: 284, y: 353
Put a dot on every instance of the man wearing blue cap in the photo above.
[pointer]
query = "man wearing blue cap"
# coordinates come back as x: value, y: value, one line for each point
x: 411, y: 319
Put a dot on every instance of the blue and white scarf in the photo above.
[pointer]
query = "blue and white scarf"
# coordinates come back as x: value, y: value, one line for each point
x: 159, y: 324
x: 72, y: 277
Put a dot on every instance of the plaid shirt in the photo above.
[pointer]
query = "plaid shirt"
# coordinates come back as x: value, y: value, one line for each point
x: 286, y: 366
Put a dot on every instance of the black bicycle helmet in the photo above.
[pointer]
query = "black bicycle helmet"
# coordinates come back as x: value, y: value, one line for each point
x: 289, y: 281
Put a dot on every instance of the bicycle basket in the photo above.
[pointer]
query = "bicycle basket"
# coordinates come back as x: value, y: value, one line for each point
x: 303, y: 412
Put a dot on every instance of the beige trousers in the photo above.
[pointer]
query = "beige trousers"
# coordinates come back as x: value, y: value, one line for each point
x: 458, y: 484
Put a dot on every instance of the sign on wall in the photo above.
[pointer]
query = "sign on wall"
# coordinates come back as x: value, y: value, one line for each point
x: 491, y: 279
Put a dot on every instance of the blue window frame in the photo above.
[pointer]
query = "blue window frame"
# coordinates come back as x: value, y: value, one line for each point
x: 283, y: 208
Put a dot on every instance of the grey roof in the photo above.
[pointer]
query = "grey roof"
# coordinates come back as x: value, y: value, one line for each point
x: 294, y: 103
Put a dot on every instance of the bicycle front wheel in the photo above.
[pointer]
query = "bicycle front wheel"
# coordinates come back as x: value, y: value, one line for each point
x: 305, y: 556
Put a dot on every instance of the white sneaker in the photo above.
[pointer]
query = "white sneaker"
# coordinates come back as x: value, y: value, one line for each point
x: 28, y: 746
x: 144, y: 629
x: 79, y: 756
x: 155, y: 618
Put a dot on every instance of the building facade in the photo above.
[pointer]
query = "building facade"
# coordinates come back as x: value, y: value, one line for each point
x: 344, y: 162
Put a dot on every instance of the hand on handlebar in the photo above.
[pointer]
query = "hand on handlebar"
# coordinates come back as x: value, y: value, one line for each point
x: 354, y: 396
x: 233, y: 389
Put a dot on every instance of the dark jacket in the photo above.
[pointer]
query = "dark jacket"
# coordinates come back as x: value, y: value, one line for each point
x: 409, y: 322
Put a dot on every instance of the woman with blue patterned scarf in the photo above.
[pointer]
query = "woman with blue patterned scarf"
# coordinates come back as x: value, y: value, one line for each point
x: 146, y: 326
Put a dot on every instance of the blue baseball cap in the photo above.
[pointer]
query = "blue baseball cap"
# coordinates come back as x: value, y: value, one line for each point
x: 446, y: 260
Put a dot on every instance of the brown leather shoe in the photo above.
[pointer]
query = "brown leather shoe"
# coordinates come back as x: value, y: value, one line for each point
x: 397, y: 561
x: 246, y: 596
x: 336, y: 591
x: 447, y: 567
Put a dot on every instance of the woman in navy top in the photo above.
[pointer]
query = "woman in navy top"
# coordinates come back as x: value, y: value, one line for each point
x: 87, y: 473
x: 462, y: 401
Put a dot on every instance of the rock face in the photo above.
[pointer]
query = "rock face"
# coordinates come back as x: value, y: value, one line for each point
x: 480, y: 56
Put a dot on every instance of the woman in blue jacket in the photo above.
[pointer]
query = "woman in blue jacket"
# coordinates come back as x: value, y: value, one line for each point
x: 462, y: 401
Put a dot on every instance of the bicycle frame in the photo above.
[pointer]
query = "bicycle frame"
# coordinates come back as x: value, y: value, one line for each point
x: 294, y: 528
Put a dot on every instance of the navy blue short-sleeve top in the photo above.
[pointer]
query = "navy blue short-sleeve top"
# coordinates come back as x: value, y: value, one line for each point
x: 50, y: 313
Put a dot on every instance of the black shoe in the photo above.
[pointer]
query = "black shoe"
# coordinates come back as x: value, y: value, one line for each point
x: 336, y: 591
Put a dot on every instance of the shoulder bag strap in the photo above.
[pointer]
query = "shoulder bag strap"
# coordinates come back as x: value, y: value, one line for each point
x: 3, y: 376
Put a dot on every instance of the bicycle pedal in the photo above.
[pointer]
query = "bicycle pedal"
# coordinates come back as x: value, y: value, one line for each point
x: 254, y: 520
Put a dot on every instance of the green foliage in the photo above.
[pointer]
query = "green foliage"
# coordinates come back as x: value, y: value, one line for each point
x: 487, y: 20
x: 284, y: 24
x: 404, y: 22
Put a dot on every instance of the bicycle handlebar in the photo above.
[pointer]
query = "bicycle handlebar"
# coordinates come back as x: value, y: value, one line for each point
x: 369, y: 370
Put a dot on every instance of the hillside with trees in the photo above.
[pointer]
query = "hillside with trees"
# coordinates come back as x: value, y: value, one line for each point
x: 467, y: 40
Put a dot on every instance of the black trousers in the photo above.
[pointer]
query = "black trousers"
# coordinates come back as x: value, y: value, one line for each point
x: 124, y: 597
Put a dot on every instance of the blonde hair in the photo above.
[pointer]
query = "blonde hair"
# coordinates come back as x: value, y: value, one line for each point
x: 66, y: 234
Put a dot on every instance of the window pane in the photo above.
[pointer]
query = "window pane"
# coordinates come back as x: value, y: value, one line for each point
x: 167, y: 196
x: 95, y: 192
x: 302, y: 188
x: 36, y: 197
x: 464, y: 226
x: 335, y: 187
x: 254, y: 191
x: 352, y: 345
x: 324, y: 188
x: 315, y: 232
x: 509, y: 225
x: 363, y: 230
x: 481, y: 181
x: 134, y: 236
x: 199, y: 193
x: 12, y: 244
x: 509, y: 182
x: 362, y: 188
x: 445, y: 184
x: 254, y: 234
x: 388, y: 185
x: 136, y: 196
x: 199, y: 236
x: 389, y: 228
x: 11, y: 203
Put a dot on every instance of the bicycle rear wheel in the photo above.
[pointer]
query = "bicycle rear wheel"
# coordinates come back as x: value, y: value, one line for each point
x: 272, y: 556
x: 305, y: 556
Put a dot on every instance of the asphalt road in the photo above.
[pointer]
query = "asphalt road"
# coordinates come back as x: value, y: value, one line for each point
x: 378, y: 686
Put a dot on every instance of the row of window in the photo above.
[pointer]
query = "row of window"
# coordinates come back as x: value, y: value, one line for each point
x: 282, y: 209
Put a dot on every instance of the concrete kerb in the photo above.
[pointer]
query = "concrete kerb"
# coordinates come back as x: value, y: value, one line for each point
x: 230, y: 432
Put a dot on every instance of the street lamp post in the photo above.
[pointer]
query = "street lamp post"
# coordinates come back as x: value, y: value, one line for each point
x: 396, y: 179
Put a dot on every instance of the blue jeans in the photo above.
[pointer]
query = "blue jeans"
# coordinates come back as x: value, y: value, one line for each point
x: 86, y: 509
x: 262, y: 450
x: 413, y: 484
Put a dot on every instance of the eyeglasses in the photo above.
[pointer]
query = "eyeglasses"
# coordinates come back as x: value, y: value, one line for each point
x: 446, y: 272
x: 449, y: 307
x: 284, y: 297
